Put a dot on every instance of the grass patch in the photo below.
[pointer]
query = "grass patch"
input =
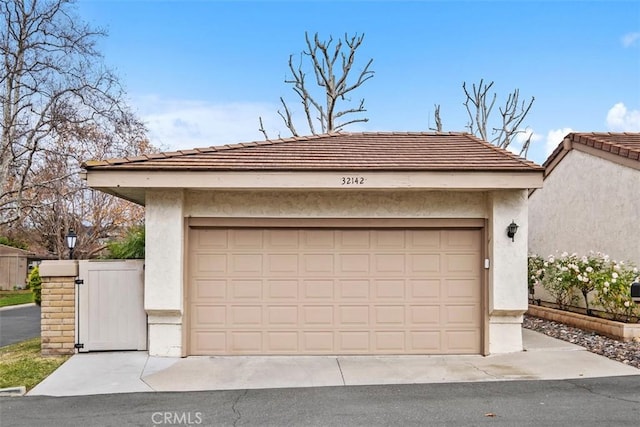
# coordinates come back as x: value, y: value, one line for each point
x: 15, y: 297
x: 22, y: 364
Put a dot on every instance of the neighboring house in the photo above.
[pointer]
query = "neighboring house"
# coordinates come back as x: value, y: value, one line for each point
x: 591, y: 198
x: 14, y: 267
x: 348, y: 243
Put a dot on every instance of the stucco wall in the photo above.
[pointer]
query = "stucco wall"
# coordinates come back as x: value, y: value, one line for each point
x: 587, y: 203
x: 166, y: 211
x: 435, y: 204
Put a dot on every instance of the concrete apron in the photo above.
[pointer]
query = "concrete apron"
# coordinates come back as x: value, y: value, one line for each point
x: 122, y: 372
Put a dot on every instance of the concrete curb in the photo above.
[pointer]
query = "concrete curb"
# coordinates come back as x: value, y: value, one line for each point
x: 11, y: 307
x: 13, y: 391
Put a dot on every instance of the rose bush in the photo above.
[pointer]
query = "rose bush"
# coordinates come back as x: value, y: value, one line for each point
x: 566, y: 276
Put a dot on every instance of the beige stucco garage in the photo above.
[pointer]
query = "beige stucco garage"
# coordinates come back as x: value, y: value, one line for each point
x: 349, y: 243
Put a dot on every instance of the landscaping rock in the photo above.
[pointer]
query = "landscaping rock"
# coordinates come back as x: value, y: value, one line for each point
x: 624, y: 352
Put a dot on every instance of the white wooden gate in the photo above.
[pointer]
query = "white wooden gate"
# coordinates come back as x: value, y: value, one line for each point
x: 110, y: 308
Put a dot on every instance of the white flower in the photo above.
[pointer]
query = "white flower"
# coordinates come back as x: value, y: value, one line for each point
x: 635, y: 270
x: 614, y: 280
x: 616, y: 267
x: 564, y: 268
x: 606, y: 284
x: 626, y: 304
x: 606, y: 257
x: 580, y: 277
x: 585, y: 259
x: 546, y: 264
x: 614, y: 275
x: 551, y: 259
x: 589, y: 269
x: 533, y: 277
x: 564, y: 254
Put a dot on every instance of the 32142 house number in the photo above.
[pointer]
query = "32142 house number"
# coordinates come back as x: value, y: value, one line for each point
x: 352, y: 180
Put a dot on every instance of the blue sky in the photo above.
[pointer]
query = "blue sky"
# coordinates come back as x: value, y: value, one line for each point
x: 200, y: 73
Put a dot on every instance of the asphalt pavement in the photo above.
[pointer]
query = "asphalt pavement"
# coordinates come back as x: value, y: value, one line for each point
x: 608, y: 401
x: 19, y: 323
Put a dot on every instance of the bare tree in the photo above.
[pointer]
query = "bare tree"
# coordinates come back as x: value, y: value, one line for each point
x: 479, y: 104
x: 333, y: 69
x: 51, y: 81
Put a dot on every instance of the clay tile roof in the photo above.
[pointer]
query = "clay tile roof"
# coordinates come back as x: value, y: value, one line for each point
x: 382, y: 151
x: 623, y: 144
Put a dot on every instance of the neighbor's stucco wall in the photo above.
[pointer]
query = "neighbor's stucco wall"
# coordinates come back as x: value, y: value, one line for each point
x: 587, y: 204
x: 166, y: 211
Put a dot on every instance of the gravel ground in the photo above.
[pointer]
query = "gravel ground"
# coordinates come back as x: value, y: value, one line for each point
x: 625, y: 352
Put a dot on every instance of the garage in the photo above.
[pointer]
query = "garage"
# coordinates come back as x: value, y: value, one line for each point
x: 362, y: 243
x: 334, y: 291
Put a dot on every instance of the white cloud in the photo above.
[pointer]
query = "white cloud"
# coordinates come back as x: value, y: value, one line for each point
x: 619, y: 119
x: 630, y: 39
x: 183, y: 124
x: 555, y: 137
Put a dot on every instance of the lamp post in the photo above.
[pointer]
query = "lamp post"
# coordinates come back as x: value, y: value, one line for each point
x: 72, y: 238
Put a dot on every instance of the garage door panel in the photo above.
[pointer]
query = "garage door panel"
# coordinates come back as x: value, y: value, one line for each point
x: 281, y: 290
x: 205, y: 264
x: 318, y: 290
x: 389, y: 315
x: 357, y: 239
x: 282, y: 265
x: 464, y: 315
x: 356, y: 342
x: 248, y: 289
x: 391, y: 342
x: 425, y: 239
x: 350, y: 264
x: 354, y: 289
x: 322, y: 291
x: 209, y: 315
x: 421, y: 315
x: 284, y: 342
x: 318, y: 342
x: 429, y: 342
x: 245, y: 264
x: 247, y: 238
x: 318, y: 263
x: 462, y: 263
x: 390, y: 239
x: 389, y: 289
x: 424, y: 289
x: 318, y: 315
x: 210, y: 342
x: 385, y: 264
x: 424, y: 263
x: 245, y: 315
x: 461, y: 289
x: 245, y: 341
x: 282, y: 316
x: 208, y: 289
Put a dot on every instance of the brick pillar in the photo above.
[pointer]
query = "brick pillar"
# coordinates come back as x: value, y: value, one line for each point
x: 58, y: 296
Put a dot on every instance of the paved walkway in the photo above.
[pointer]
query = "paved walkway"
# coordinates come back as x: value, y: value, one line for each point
x: 544, y: 358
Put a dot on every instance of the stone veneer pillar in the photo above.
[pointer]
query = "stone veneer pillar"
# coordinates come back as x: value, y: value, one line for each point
x: 58, y: 302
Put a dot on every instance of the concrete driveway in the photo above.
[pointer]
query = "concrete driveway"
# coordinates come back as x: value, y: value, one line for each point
x: 19, y: 323
x: 545, y: 358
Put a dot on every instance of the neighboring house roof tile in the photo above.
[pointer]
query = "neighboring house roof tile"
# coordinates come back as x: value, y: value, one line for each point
x: 625, y: 145
x: 384, y: 151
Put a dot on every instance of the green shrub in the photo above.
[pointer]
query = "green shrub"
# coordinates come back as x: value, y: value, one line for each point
x: 129, y: 247
x: 35, y: 284
x: 14, y: 243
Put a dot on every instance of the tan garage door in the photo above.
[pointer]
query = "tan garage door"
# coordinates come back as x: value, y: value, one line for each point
x: 334, y: 291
